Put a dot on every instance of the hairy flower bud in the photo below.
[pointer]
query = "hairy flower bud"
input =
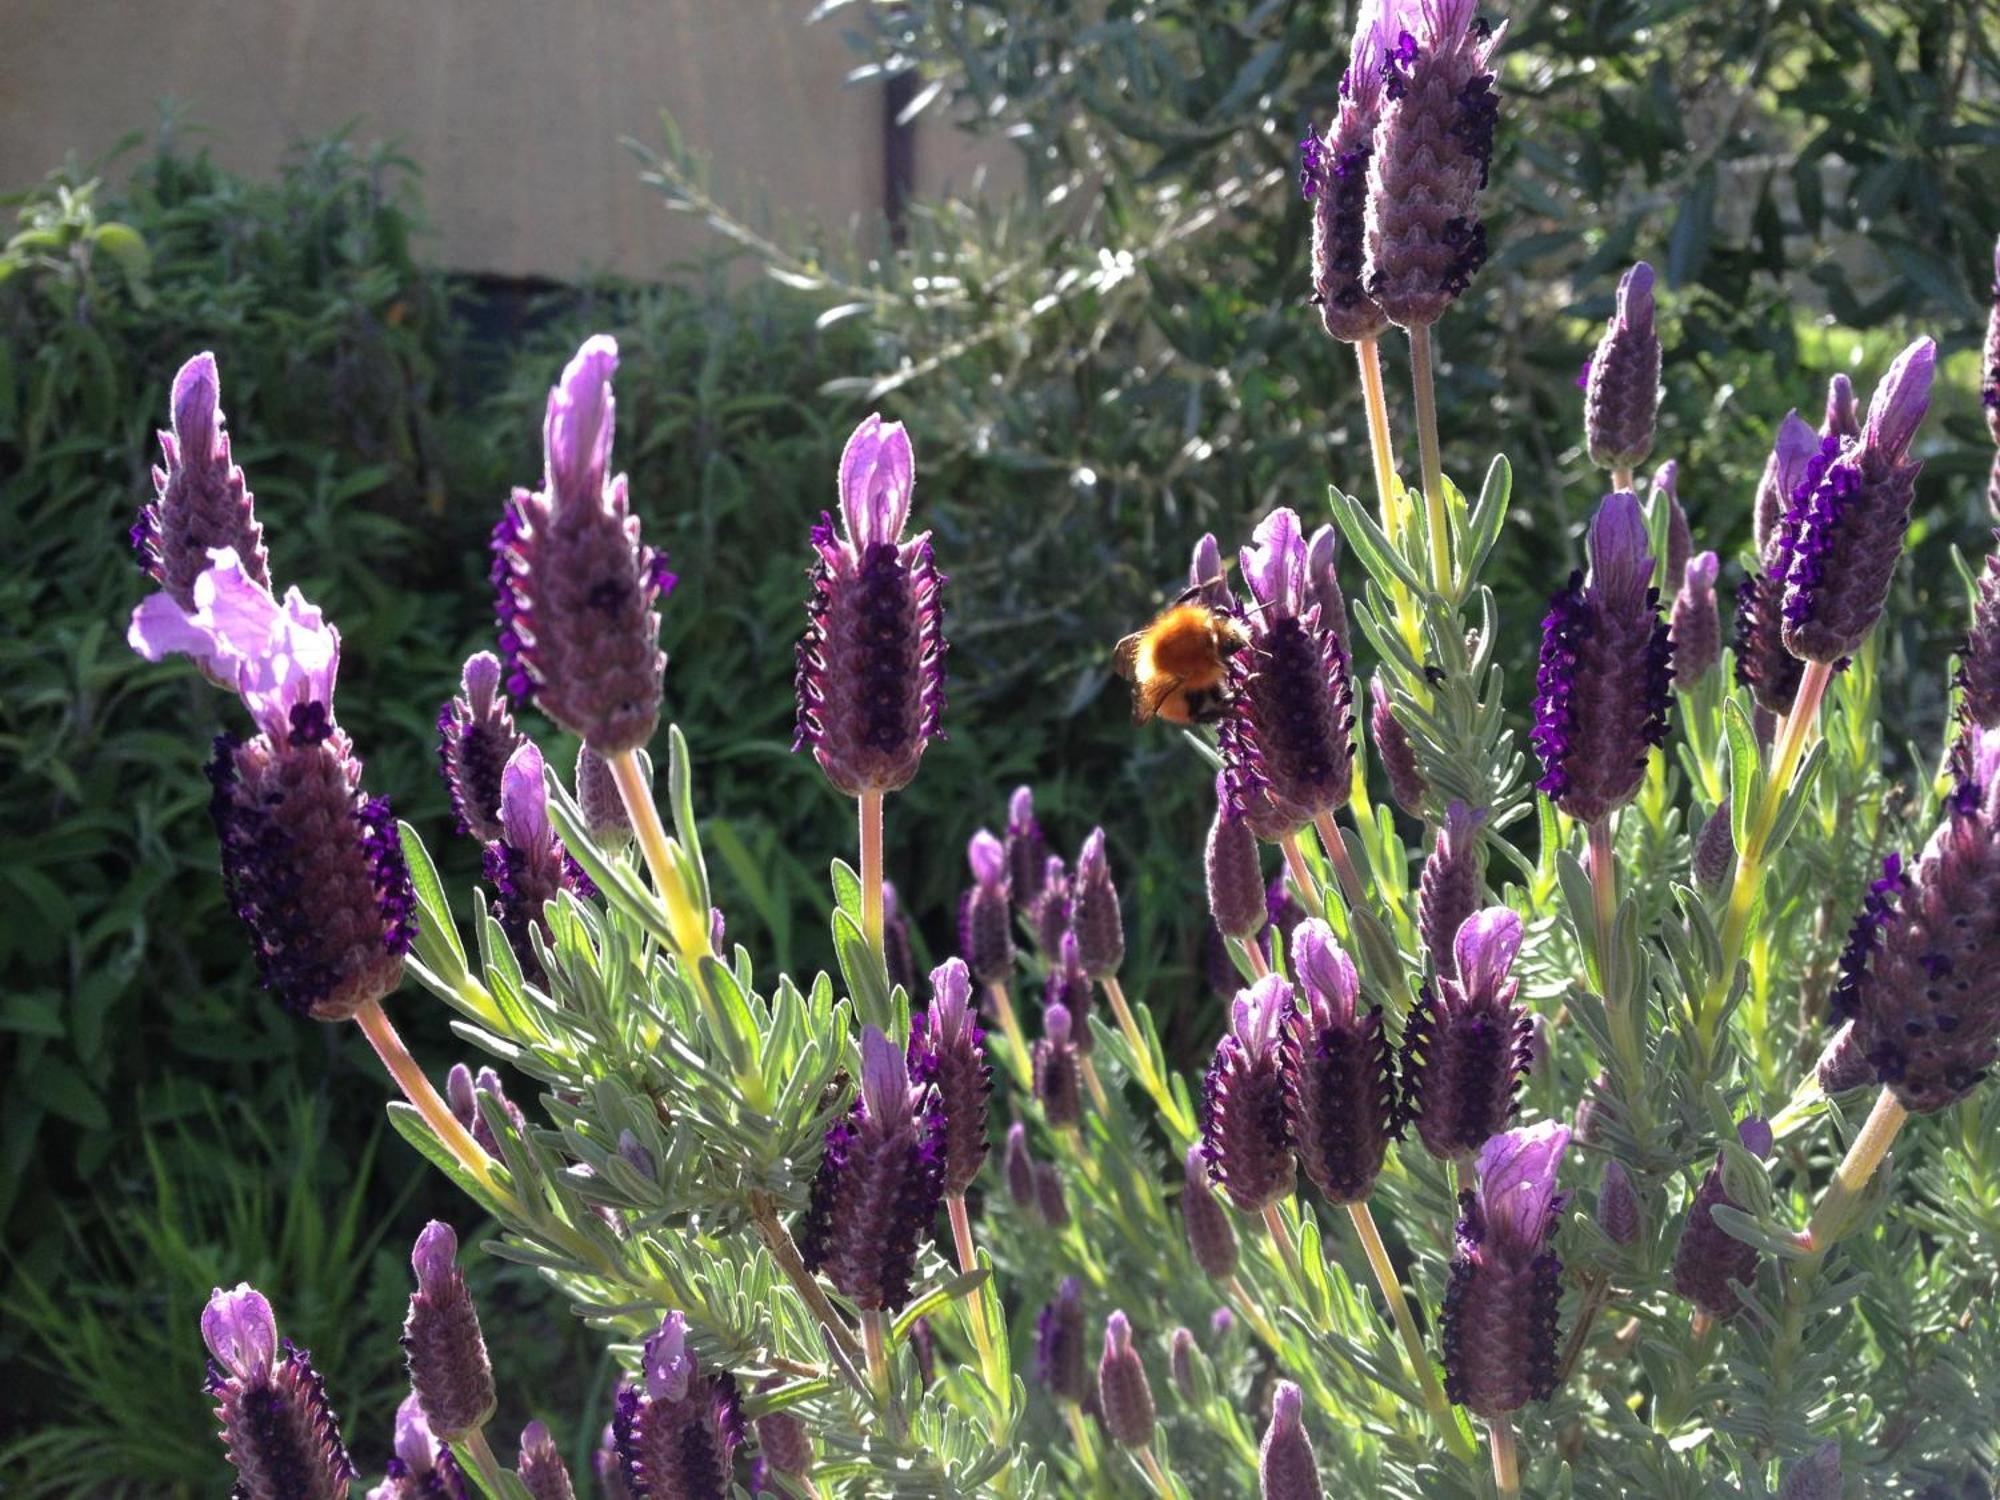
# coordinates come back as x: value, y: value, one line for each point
x: 1062, y: 1358
x: 1050, y: 1200
x: 985, y: 912
x: 1466, y: 1043
x: 1448, y: 889
x: 574, y: 588
x: 1051, y: 914
x: 1210, y: 1235
x: 1979, y: 657
x: 1843, y: 1066
x: 602, y: 805
x: 476, y: 735
x: 1286, y: 1468
x: 1714, y: 857
x: 280, y: 1433
x: 1433, y: 146
x: 1099, y: 926
x: 1393, y: 748
x: 871, y: 666
x: 1058, y: 1068
x: 1617, y: 1205
x: 1816, y: 1477
x: 1069, y: 986
x: 461, y: 1091
x: 948, y: 1049
x: 449, y: 1369
x: 678, y: 1430
x: 1606, y: 671
x: 1697, y: 622
x: 1340, y: 1081
x: 1501, y: 1304
x: 1235, y: 876
x: 541, y: 1468
x: 899, y: 959
x: 1333, y: 175
x: 1763, y: 665
x: 1708, y: 1257
x: 1027, y: 850
x: 527, y: 864
x: 201, y: 503
x: 782, y: 1439
x: 1246, y: 1133
x: 1181, y: 1357
x: 1624, y: 389
x: 1123, y: 1395
x: 1680, y: 538
x: 1017, y: 1166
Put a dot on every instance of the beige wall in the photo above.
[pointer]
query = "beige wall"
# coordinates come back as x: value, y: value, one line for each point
x: 513, y: 110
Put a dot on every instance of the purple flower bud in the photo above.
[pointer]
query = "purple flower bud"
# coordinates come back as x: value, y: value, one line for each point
x: 985, y: 913
x: 1842, y: 419
x: 1979, y: 658
x: 1680, y: 539
x: 898, y: 957
x: 1058, y: 1070
x: 1334, y: 176
x: 1210, y: 1235
x: 1221, y: 1323
x: 1069, y: 986
x: 1763, y: 665
x: 1393, y: 748
x: 461, y: 1092
x: 1815, y: 1477
x: 1708, y: 1258
x: 1448, y: 890
x: 1180, y: 1360
x: 1286, y: 1469
x: 527, y: 864
x: 1592, y: 1110
x: 1843, y: 1066
x: 280, y: 1433
x: 1845, y: 516
x: 1050, y: 1201
x: 1466, y: 1043
x: 1017, y: 1165
x: 1340, y: 1080
x: 782, y: 1439
x: 574, y: 588
x: 632, y: 1151
x: 879, y: 1182
x: 1697, y: 622
x: 948, y: 1048
x: 201, y: 504
x: 1123, y: 1395
x: 1606, y: 671
x: 542, y: 1471
x: 449, y: 1370
x: 1714, y: 850
x: 603, y: 807
x: 1245, y: 1129
x: 1236, y: 892
x: 871, y: 666
x: 1927, y: 1004
x: 1433, y: 146
x: 476, y: 735
x: 1208, y: 575
x: 1061, y: 1356
x: 1501, y: 1303
x: 1290, y: 725
x: 1051, y: 912
x: 677, y: 1432
x: 1100, y: 928
x: 1617, y: 1205
x: 1624, y: 389
x: 1027, y: 850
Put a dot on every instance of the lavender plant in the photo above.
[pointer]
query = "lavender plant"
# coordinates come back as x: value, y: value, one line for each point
x: 776, y: 1199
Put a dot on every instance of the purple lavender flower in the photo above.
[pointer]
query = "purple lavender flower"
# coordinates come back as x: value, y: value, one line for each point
x: 201, y: 504
x: 280, y: 1433
x: 1763, y: 665
x: 879, y: 1183
x: 1979, y: 658
x: 1050, y: 914
x: 541, y: 1468
x: 449, y: 1370
x: 1714, y: 856
x: 461, y: 1092
x: 1697, y: 622
x: 1210, y: 1235
x: 1466, y: 1043
x: 1392, y: 747
x: 423, y: 1468
x: 871, y: 666
x: 948, y: 1050
x: 1286, y: 1468
x: 1340, y: 1082
x: 607, y: 1463
x: 1123, y: 1396
x: 1448, y: 889
x: 1050, y: 1201
x: 1989, y: 362
x: 1236, y: 892
x: 1017, y: 1167
x: 1843, y: 1066
x: 1058, y: 1067
x: 1180, y: 1361
x: 1245, y: 1128
x: 1606, y: 671
x: 1843, y: 526
x: 783, y: 1442
x: 527, y: 864
x: 1061, y: 1356
x: 1624, y: 389
x: 602, y: 805
x: 1680, y: 539
x: 1501, y: 1303
x: 1617, y: 1205
x: 476, y: 735
x: 1289, y: 730
x: 1095, y: 916
x: 1708, y: 1258
x: 575, y: 589
x: 1069, y: 986
x: 1924, y: 992
x: 1333, y: 174
x: 985, y: 913
x: 1432, y: 149
x: 1027, y: 850
x: 312, y: 864
x: 678, y: 1431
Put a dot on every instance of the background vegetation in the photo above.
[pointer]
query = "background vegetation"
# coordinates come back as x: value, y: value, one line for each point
x: 1095, y: 372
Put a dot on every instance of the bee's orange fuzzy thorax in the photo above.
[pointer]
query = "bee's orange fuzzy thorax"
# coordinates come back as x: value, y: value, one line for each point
x: 1182, y: 644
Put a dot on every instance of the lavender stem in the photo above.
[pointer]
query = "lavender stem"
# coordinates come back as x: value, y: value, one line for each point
x: 1010, y: 1026
x: 1427, y: 449
x: 1406, y: 1325
x: 1368, y: 354
x: 1295, y: 861
x: 870, y: 804
x: 1506, y: 1462
x: 454, y: 1137
x: 1829, y: 1220
x: 690, y: 928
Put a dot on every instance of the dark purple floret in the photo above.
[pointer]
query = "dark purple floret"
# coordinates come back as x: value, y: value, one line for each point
x: 280, y: 1433
x: 879, y: 1182
x: 1624, y: 387
x: 1246, y: 1130
x: 1878, y: 910
x: 1708, y: 1258
x: 948, y: 1050
x: 1466, y: 1044
x: 677, y: 1433
x: 1763, y: 665
x: 1340, y: 1078
x: 476, y: 735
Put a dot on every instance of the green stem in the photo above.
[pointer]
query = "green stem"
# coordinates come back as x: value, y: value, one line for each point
x: 1406, y: 1325
x: 1427, y: 451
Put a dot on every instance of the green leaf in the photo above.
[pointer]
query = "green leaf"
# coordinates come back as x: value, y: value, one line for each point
x: 438, y: 943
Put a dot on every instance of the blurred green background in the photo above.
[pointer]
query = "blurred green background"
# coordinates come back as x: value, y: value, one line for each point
x: 1094, y: 372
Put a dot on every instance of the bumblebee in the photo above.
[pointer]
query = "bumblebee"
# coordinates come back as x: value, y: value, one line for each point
x: 1179, y: 665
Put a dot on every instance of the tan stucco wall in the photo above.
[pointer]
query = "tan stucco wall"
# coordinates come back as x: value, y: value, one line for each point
x: 514, y: 111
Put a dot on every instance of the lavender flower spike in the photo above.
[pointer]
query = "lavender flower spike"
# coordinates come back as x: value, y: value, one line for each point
x: 1979, y: 658
x: 1392, y: 746
x: 1925, y: 997
x: 1058, y: 1069
x: 783, y: 1442
x: 948, y: 1049
x: 1680, y: 540
x: 1708, y: 1258
x: 1286, y: 1468
x: 1843, y: 526
x: 1095, y: 916
x: 1500, y: 1306
x: 1333, y: 174
x: 541, y: 1468
x: 678, y: 1430
x: 1027, y: 850
x: 575, y: 589
x: 1448, y: 889
x: 1236, y: 893
x: 1061, y: 1356
x: 1123, y: 1395
x: 1432, y: 149
x: 986, y: 914
x: 449, y: 1369
x: 871, y: 665
x: 527, y: 864
x: 201, y: 504
x: 1340, y: 1080
x: 1245, y: 1130
x: 1617, y: 1205
x: 879, y: 1182
x: 1697, y: 622
x: 1210, y: 1235
x: 1624, y: 389
x: 1289, y: 730
x: 476, y: 735
x: 1606, y: 671
x: 281, y: 1435
x: 602, y: 806
x: 1466, y: 1043
x: 423, y: 1468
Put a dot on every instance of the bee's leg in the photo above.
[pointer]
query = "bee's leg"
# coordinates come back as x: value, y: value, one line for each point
x: 1209, y: 705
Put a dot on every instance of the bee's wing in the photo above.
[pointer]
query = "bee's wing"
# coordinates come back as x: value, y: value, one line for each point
x: 1149, y: 699
x: 1125, y: 658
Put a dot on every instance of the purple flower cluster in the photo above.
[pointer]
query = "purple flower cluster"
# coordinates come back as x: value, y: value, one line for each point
x: 1333, y: 174
x: 476, y: 737
x: 678, y: 1429
x: 1466, y: 1042
x: 281, y: 1435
